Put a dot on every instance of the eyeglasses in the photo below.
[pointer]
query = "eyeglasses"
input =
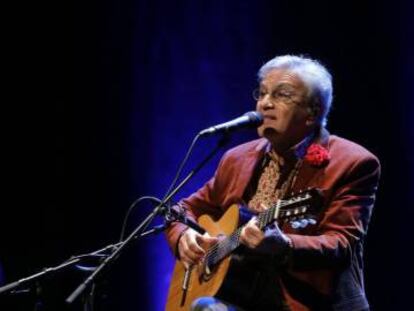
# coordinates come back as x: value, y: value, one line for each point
x: 278, y: 95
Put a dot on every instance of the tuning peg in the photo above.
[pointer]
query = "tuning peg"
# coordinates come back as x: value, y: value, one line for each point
x: 302, y: 223
x: 298, y: 224
x: 295, y: 224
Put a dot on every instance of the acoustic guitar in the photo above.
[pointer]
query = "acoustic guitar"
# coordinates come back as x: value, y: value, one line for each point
x: 206, y: 278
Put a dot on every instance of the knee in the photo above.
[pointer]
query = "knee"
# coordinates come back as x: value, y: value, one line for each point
x: 205, y: 304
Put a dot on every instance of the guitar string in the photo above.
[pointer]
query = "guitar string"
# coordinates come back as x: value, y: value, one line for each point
x: 233, y: 239
x: 216, y: 252
x: 224, y: 245
x: 235, y: 236
x: 263, y: 218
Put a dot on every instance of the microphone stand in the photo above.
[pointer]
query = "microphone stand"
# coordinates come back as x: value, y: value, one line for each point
x: 35, y: 278
x: 32, y: 278
x: 170, y: 215
x: 50, y: 270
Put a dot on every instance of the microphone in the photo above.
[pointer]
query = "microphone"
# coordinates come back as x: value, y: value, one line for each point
x: 249, y: 119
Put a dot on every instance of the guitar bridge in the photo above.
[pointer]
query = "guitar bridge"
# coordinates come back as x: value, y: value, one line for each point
x: 206, y: 273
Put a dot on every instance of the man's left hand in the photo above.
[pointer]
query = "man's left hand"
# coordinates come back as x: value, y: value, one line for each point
x: 272, y: 241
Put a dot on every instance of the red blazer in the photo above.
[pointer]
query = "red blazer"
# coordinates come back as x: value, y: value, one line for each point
x: 326, y: 265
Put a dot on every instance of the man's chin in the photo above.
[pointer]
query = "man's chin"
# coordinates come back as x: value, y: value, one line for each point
x: 269, y: 133
x: 272, y: 135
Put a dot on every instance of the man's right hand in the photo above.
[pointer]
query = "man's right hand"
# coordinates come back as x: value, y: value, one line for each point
x: 192, y: 246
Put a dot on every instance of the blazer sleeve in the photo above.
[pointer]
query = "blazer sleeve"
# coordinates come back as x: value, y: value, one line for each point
x: 207, y: 200
x: 344, y: 222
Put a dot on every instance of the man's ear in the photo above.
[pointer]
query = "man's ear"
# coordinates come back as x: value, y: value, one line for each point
x: 312, y: 117
x: 310, y: 121
x: 313, y: 114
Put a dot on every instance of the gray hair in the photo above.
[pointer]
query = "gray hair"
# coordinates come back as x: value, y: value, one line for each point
x: 315, y: 76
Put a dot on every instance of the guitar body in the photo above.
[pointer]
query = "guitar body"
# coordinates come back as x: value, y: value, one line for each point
x: 199, y: 283
x: 223, y: 273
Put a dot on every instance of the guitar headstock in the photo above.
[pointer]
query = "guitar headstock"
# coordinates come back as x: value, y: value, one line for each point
x: 300, y: 209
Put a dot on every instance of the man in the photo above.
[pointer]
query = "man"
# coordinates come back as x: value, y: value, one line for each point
x: 314, y: 266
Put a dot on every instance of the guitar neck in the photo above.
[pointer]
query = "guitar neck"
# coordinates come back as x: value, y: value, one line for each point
x: 282, y: 210
x: 226, y: 246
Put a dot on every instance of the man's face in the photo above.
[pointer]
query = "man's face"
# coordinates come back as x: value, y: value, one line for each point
x: 282, y: 99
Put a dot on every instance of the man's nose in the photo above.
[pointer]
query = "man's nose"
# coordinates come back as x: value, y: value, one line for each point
x: 266, y: 103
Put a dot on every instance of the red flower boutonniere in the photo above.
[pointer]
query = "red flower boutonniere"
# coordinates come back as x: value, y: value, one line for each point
x: 317, y: 155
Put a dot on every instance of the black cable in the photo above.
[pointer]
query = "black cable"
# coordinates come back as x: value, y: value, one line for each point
x: 177, y: 175
x: 170, y: 188
x: 131, y: 207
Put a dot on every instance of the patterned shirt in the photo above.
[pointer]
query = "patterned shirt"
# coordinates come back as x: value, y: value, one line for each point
x: 275, y: 176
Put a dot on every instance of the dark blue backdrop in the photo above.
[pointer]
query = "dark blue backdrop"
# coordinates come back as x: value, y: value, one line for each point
x: 111, y: 93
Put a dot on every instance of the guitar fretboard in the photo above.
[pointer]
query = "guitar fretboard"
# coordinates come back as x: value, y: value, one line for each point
x: 226, y: 246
